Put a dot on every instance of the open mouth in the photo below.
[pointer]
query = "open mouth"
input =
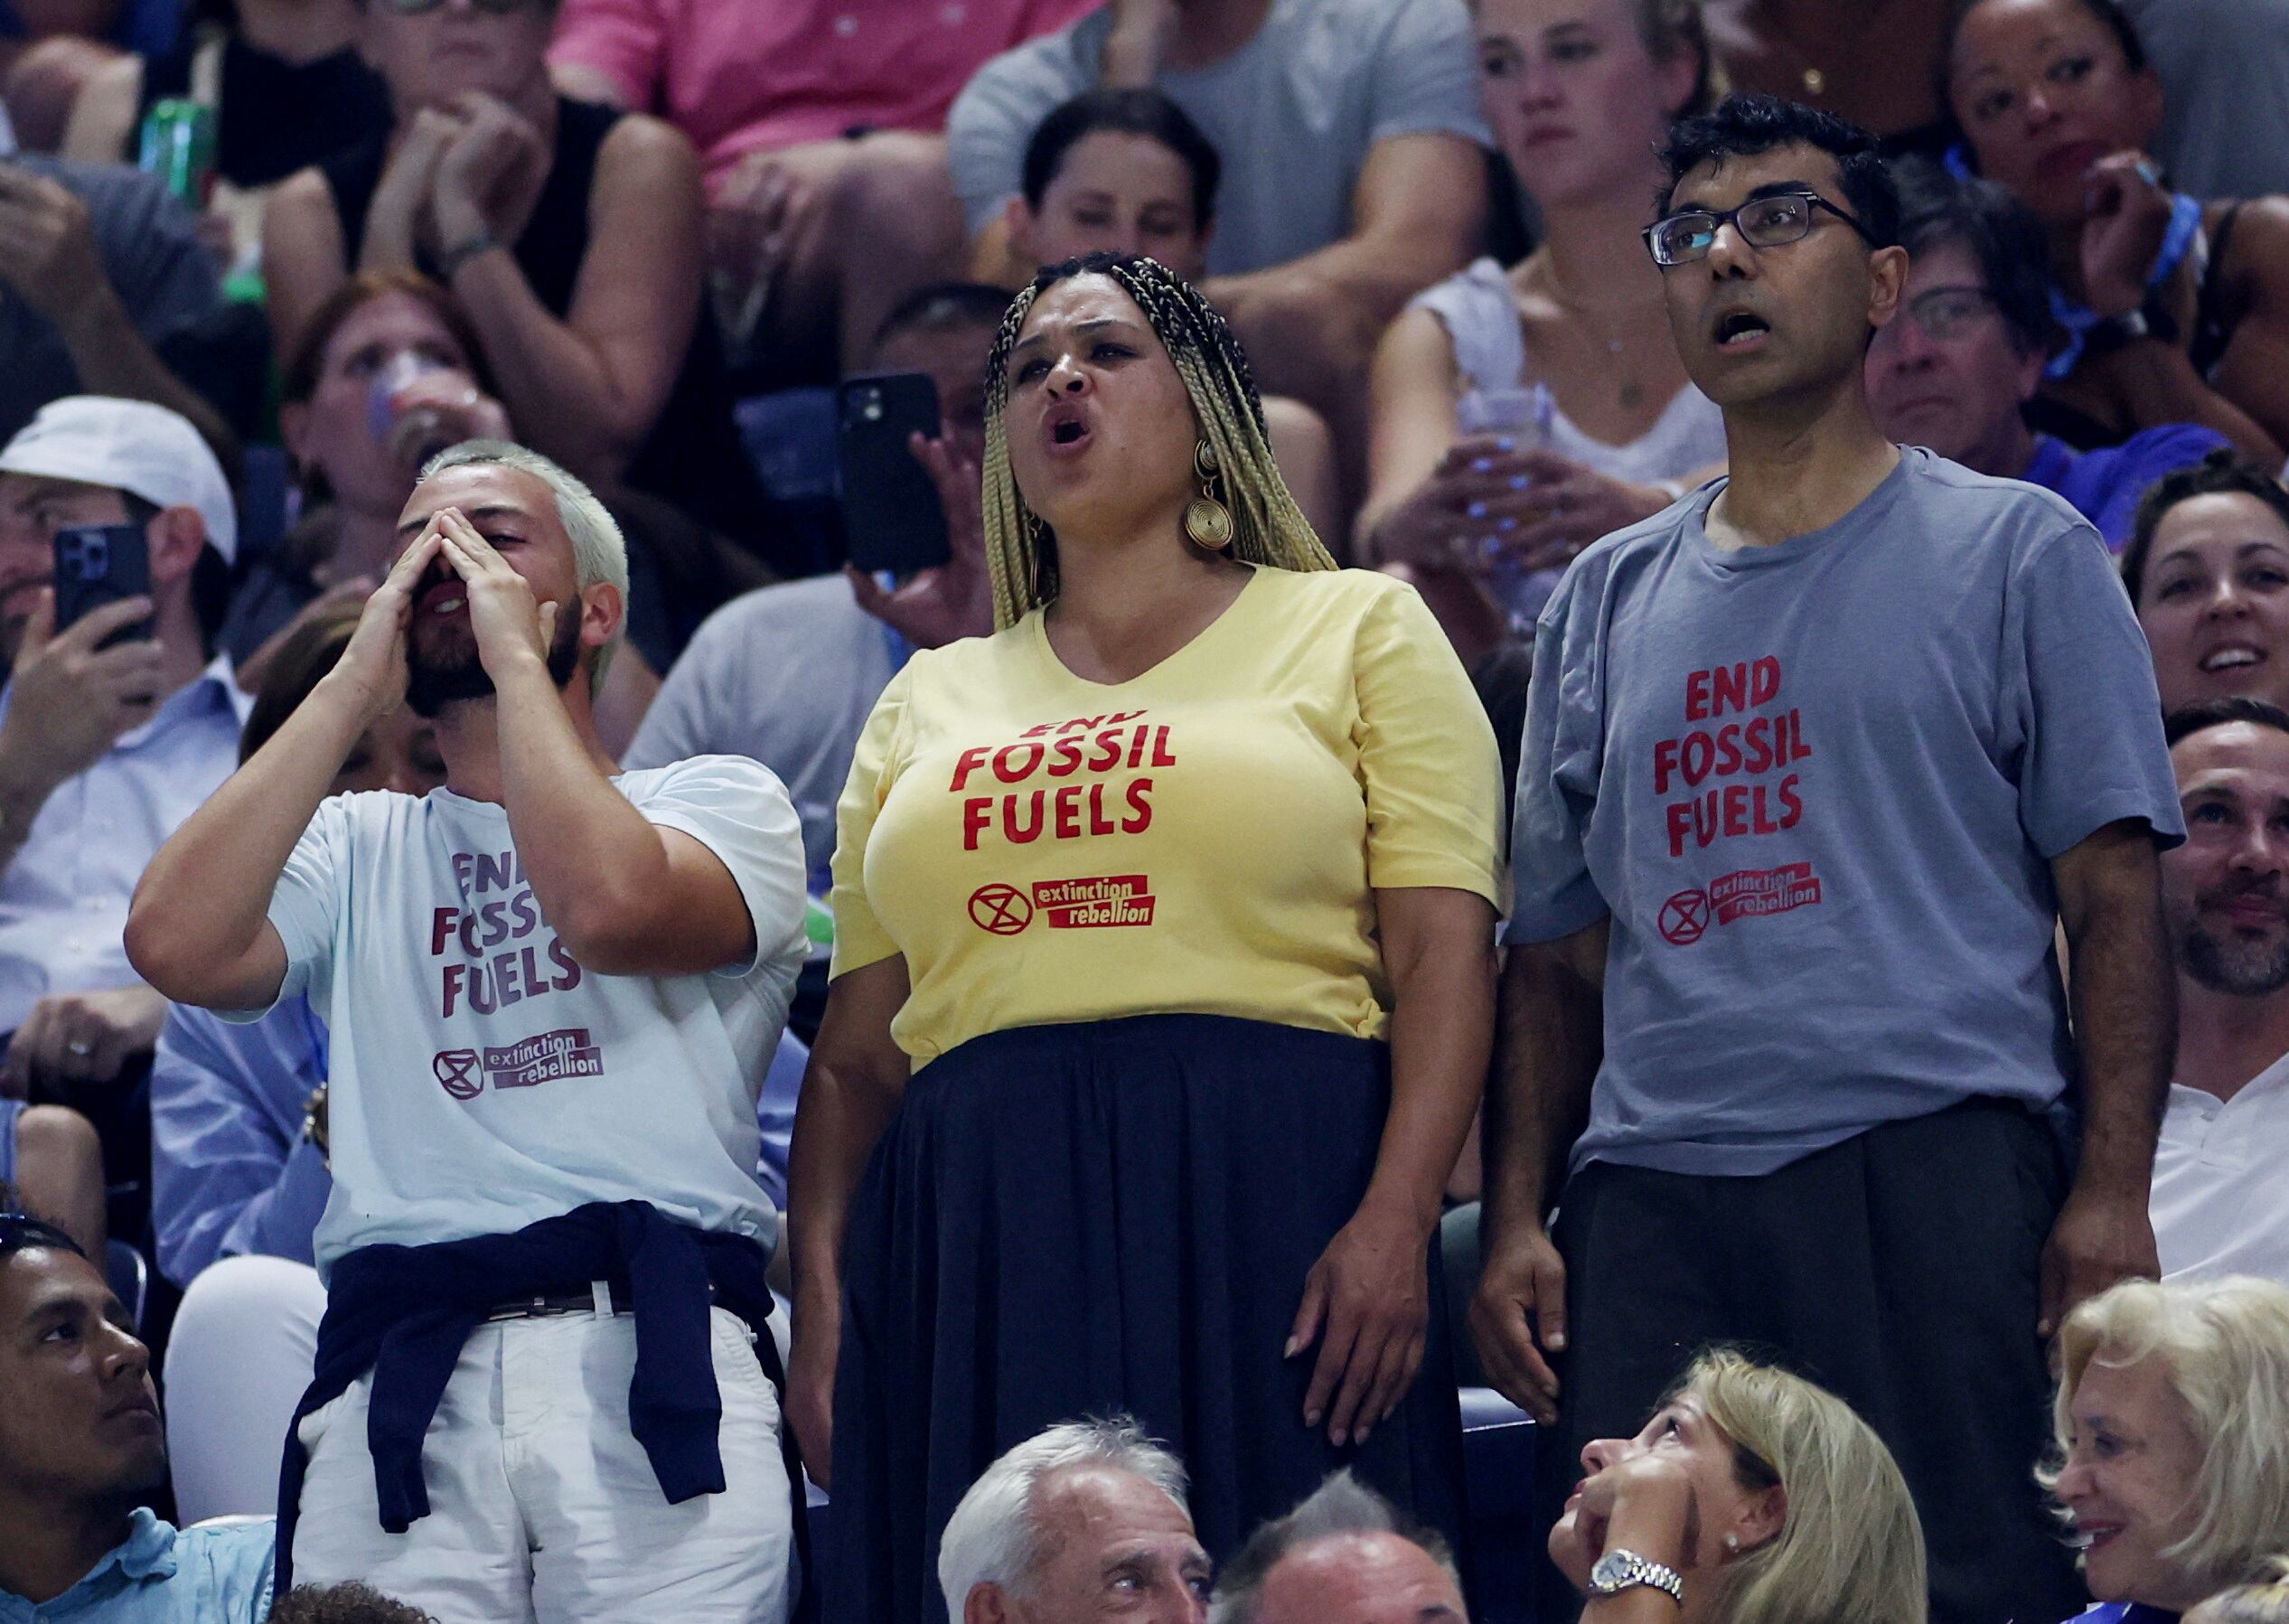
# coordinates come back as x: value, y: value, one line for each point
x: 442, y: 593
x: 1739, y: 329
x: 1066, y: 428
x: 2233, y: 656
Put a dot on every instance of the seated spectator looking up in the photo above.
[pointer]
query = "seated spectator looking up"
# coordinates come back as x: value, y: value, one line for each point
x: 2224, y: 66
x: 2208, y: 572
x: 570, y: 233
x: 103, y: 751
x: 2168, y: 1460
x: 821, y: 131
x: 1125, y: 172
x: 2220, y: 1200
x: 1351, y: 178
x: 110, y: 292
x: 1752, y: 1497
x: 1954, y: 370
x: 788, y: 674
x: 2177, y: 308
x: 81, y: 1452
x: 52, y: 1162
x: 282, y: 79
x: 1521, y: 415
x: 1085, y: 1520
x: 1343, y: 1556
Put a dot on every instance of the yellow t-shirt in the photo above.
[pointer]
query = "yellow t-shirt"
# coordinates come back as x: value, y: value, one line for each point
x: 1202, y: 838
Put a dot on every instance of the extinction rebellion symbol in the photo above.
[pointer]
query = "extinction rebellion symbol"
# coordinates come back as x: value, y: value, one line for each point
x: 456, y: 1069
x: 1004, y: 910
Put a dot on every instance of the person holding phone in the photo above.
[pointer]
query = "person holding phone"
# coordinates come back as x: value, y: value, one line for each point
x: 1164, y: 934
x: 117, y: 532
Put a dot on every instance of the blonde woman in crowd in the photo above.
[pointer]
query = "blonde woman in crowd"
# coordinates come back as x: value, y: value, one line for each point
x: 1163, y: 977
x: 2173, y: 1428
x: 1520, y: 415
x: 1752, y: 1497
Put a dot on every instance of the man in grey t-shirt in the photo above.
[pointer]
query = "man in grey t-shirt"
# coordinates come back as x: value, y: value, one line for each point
x: 788, y: 674
x: 1816, y: 762
x: 1353, y: 171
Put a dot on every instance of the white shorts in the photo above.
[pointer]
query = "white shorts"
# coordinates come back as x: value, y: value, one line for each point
x: 543, y: 1505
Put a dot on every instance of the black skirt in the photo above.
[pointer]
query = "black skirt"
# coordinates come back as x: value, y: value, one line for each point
x: 1115, y: 1216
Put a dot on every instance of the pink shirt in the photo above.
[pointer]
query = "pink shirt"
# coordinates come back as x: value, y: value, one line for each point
x: 735, y: 75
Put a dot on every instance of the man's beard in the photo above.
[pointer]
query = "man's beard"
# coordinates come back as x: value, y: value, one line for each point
x: 437, y: 680
x: 2238, y: 969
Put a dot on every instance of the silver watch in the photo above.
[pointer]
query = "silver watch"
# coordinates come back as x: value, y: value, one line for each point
x: 1618, y: 1570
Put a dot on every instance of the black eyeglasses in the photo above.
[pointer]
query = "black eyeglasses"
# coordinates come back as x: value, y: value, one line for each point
x: 1769, y: 221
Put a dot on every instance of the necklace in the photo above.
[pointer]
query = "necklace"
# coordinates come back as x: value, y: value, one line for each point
x: 1630, y: 392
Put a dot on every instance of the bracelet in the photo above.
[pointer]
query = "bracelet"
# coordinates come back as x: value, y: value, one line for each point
x: 314, y: 1124
x: 450, y: 262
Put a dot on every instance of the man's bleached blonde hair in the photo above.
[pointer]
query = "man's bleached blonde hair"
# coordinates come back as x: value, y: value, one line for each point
x: 1850, y: 1550
x: 2224, y: 1347
x: 1268, y: 528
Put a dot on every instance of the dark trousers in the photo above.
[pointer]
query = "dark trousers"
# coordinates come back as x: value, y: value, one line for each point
x: 1898, y: 1269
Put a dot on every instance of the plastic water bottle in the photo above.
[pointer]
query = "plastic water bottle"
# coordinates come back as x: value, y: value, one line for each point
x: 1524, y: 417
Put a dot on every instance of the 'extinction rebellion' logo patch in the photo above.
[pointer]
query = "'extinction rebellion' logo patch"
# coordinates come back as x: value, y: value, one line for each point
x: 1068, y: 905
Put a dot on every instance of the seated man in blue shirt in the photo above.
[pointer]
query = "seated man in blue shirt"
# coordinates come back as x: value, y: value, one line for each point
x: 1969, y: 350
x: 103, y: 751
x: 81, y: 1451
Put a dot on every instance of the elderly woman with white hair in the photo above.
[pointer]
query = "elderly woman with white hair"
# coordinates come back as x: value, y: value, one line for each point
x: 1083, y: 1520
x: 2172, y: 1423
x: 1752, y: 1497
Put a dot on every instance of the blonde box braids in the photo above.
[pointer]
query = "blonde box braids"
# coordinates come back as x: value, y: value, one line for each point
x: 1268, y: 528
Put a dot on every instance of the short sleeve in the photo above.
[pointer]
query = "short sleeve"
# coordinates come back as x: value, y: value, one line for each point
x: 1552, y: 894
x: 165, y: 276
x: 306, y: 906
x: 1426, y: 78
x: 860, y: 939
x: 2078, y: 687
x: 739, y: 811
x: 995, y: 117
x: 623, y: 40
x: 1427, y: 753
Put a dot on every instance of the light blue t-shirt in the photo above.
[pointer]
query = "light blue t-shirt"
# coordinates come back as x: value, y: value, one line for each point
x: 160, y: 1575
x: 1817, y: 787
x: 482, y: 1079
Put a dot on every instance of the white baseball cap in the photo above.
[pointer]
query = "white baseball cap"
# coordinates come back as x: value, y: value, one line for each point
x: 130, y: 446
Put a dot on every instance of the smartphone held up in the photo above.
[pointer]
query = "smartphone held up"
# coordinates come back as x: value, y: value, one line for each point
x: 892, y: 518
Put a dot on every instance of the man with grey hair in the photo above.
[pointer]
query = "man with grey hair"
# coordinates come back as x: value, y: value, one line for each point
x: 551, y: 988
x: 1343, y: 1556
x: 1086, y: 1520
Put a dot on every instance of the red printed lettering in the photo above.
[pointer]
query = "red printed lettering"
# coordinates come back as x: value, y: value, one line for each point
x: 967, y: 762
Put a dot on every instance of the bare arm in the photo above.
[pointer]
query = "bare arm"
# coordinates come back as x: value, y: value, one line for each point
x: 1417, y: 215
x: 1413, y: 420
x: 303, y: 258
x: 2155, y: 383
x: 625, y: 896
x: 1366, y: 1302
x: 588, y: 388
x: 103, y: 118
x: 857, y: 1077
x: 1551, y: 1039
x: 2255, y: 371
x: 2123, y: 993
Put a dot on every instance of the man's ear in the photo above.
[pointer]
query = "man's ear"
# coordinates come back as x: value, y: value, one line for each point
x: 1017, y: 230
x: 1887, y: 276
x: 985, y: 1604
x: 176, y: 537
x: 602, y: 612
x: 2032, y: 363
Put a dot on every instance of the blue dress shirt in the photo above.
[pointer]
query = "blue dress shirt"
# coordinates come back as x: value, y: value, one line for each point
x: 231, y: 1174
x: 63, y: 902
x: 157, y: 1575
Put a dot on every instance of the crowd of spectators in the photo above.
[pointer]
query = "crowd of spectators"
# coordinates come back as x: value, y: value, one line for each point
x: 1713, y: 567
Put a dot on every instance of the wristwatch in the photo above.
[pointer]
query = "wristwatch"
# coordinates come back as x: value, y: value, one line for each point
x: 451, y: 260
x: 1618, y: 1570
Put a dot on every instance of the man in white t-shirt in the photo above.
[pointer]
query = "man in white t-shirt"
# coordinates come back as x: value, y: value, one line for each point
x: 2220, y: 1200
x: 552, y: 991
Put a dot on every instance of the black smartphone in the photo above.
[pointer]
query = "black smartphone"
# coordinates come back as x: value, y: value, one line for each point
x: 891, y: 516
x: 99, y: 564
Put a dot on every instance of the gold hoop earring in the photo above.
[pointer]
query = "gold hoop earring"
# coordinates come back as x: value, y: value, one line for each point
x: 1207, y: 522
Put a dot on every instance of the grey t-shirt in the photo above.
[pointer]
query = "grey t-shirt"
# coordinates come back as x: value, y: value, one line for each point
x: 2224, y: 77
x: 167, y: 282
x: 1816, y: 786
x: 1292, y: 113
x: 786, y: 675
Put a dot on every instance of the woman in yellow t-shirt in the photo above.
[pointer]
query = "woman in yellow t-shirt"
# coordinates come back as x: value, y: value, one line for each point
x: 1163, y: 981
